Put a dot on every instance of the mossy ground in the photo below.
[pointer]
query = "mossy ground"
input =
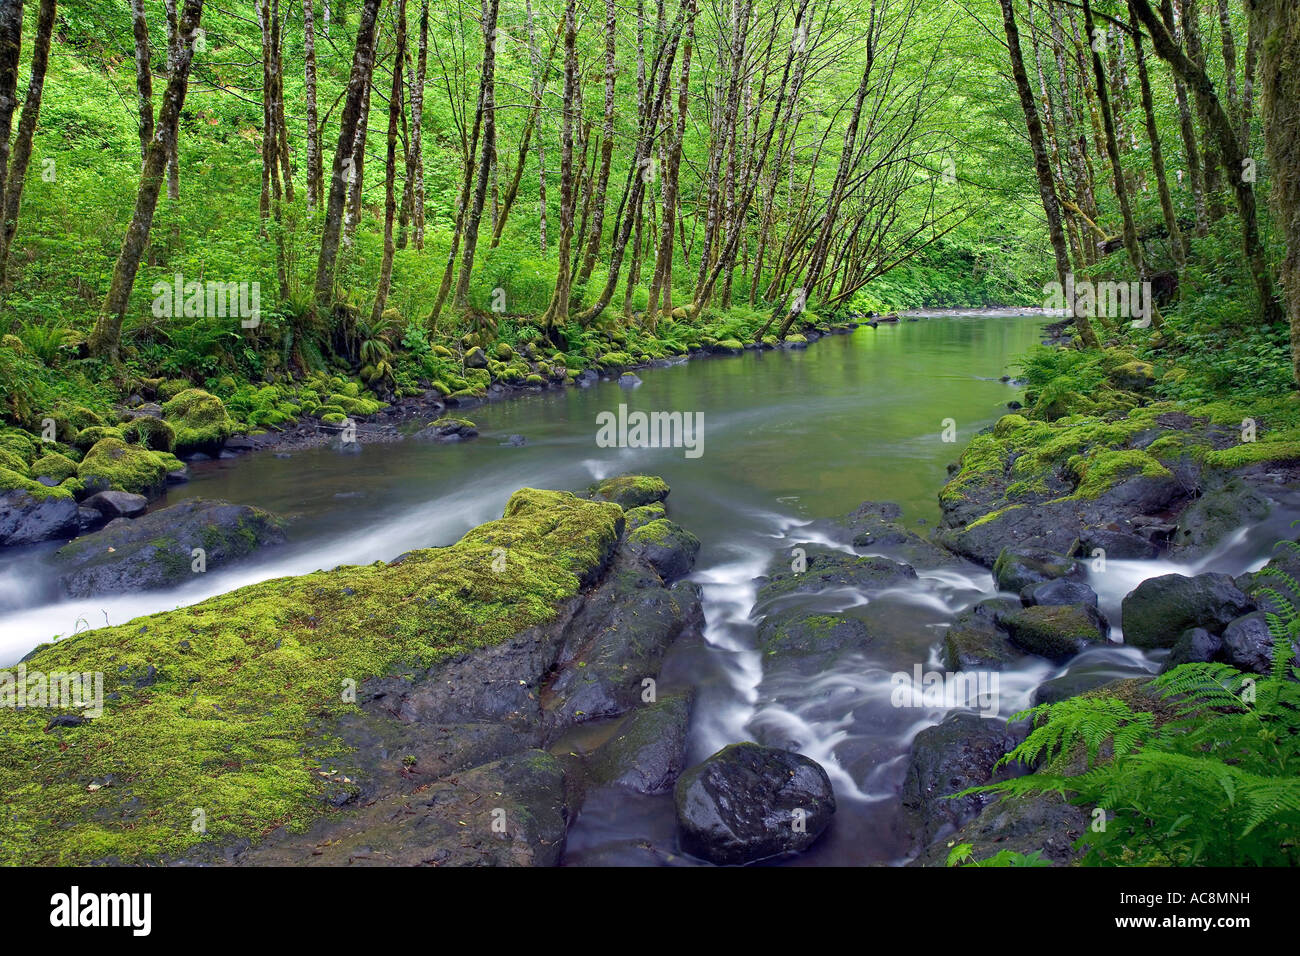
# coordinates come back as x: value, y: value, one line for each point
x: 235, y: 717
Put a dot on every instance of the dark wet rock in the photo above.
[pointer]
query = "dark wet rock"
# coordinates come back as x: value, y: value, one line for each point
x: 475, y: 358
x: 809, y: 643
x: 877, y: 526
x: 1194, y: 645
x: 1124, y: 545
x: 1019, y: 568
x: 1044, y: 823
x: 628, y: 380
x: 157, y: 550
x: 666, y: 546
x: 516, y: 441
x: 1248, y: 644
x: 448, y: 430
x: 834, y: 569
x: 648, y: 752
x: 748, y: 803
x: 1159, y: 609
x: 182, y: 474
x: 1267, y: 584
x: 1215, y: 515
x: 510, y: 812
x: 1070, y: 685
x: 348, y: 448
x: 1056, y: 632
x: 117, y: 504
x: 973, y: 644
x: 65, y: 721
x: 89, y: 519
x: 26, y: 518
x: 1059, y: 591
x: 586, y: 378
x: 617, y: 640
x: 947, y: 758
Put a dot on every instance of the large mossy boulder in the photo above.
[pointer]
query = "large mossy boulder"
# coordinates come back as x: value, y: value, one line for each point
x: 824, y: 570
x: 666, y: 546
x: 230, y: 704
x: 113, y: 465
x: 1157, y: 611
x: 748, y: 803
x: 448, y: 430
x: 809, y: 643
x: 200, y: 421
x: 164, y: 548
x: 632, y: 491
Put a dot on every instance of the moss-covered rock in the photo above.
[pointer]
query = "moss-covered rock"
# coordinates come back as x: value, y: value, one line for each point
x: 53, y: 465
x: 201, y: 422
x: 113, y: 464
x: 153, y: 433
x: 636, y: 517
x: 666, y: 546
x: 632, y: 491
x: 1056, y: 632
x: 226, y: 704
x: 87, y: 437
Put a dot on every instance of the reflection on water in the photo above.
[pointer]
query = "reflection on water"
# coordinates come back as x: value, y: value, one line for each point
x: 791, y: 438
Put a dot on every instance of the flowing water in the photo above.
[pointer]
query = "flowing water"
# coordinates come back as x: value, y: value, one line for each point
x: 792, y: 440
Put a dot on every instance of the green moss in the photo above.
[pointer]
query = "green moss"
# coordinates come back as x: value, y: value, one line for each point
x: 200, y: 420
x: 644, y: 514
x: 114, y: 463
x: 153, y: 433
x: 245, y: 685
x: 333, y: 418
x: 535, y: 380
x: 12, y: 462
x: 448, y: 422
x: 632, y: 491
x: 54, y: 465
x: 13, y: 481
x: 796, y: 337
x: 88, y: 437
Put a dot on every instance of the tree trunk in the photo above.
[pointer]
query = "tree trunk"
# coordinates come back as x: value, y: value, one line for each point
x: 489, y: 150
x: 1187, y: 130
x: 558, y: 309
x: 395, y: 113
x: 417, y: 127
x: 1277, y: 32
x: 315, y: 175
x: 606, y: 147
x: 173, y: 42
x: 1176, y: 242
x: 12, y: 185
x: 105, y: 340
x: 363, y: 60
x: 143, y: 76
x: 1042, y: 166
x: 1229, y: 146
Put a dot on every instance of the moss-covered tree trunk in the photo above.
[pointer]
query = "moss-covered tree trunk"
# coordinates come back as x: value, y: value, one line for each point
x: 1176, y: 244
x: 107, y: 335
x: 489, y: 151
x: 1276, y: 25
x: 395, y: 113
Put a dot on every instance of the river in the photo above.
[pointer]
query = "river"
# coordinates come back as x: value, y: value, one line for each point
x: 791, y: 440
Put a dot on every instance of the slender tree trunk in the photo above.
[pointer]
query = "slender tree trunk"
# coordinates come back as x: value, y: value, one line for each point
x: 357, y: 191
x: 173, y: 43
x: 663, y: 278
x: 105, y: 340
x: 1187, y: 130
x: 1230, y: 147
x: 395, y: 114
x: 315, y: 174
x: 1131, y: 241
x: 1041, y: 164
x: 606, y: 146
x: 363, y: 60
x: 1176, y: 242
x: 143, y: 76
x: 489, y: 150
x: 417, y: 125
x: 558, y: 309
x: 12, y: 185
x: 540, y: 77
